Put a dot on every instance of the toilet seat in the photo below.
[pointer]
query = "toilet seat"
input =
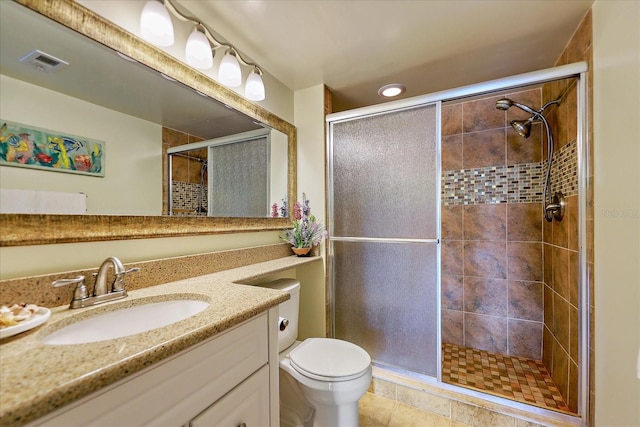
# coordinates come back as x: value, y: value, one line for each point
x: 327, y: 359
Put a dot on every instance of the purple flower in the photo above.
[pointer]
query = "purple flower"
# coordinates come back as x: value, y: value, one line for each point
x: 297, y: 211
x: 306, y: 231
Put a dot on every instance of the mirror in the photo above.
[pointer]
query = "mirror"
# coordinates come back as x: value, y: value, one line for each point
x: 160, y: 80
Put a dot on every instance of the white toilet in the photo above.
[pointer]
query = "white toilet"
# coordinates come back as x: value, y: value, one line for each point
x: 321, y: 379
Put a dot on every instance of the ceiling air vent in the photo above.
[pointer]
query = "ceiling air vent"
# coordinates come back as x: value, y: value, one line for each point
x: 43, y: 61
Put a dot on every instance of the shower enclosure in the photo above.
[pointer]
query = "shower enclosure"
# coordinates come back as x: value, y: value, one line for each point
x: 439, y: 235
x: 223, y: 177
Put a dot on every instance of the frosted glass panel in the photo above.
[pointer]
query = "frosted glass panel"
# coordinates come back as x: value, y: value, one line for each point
x: 385, y: 175
x: 239, y: 179
x: 385, y: 300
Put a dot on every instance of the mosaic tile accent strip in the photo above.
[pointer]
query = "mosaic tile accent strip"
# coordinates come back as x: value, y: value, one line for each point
x: 185, y: 196
x: 564, y: 171
x: 519, y: 183
x: 516, y: 378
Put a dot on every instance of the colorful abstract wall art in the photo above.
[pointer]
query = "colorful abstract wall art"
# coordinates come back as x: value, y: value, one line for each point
x: 31, y: 147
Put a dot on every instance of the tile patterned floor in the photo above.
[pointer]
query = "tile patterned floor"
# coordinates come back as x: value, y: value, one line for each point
x: 515, y: 378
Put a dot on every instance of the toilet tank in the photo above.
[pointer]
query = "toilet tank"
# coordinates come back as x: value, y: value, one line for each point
x: 288, y: 310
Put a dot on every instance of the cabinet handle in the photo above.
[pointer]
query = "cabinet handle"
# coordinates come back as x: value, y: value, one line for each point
x: 242, y: 425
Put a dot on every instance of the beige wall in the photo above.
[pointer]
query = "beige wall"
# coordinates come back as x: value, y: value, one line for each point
x: 616, y: 79
x: 25, y: 261
x: 309, y: 120
x: 132, y: 150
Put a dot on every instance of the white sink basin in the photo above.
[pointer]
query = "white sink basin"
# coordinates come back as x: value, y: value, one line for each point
x: 125, y: 321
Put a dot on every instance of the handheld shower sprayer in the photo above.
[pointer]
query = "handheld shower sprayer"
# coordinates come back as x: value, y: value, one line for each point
x: 554, y: 204
x: 505, y: 103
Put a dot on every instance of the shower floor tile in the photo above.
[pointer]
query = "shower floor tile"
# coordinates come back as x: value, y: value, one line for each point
x: 516, y: 378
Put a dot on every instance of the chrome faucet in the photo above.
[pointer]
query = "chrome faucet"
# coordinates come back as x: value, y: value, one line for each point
x: 101, y: 293
x: 100, y: 288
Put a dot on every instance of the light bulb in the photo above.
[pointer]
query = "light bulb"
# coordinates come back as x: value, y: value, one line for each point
x: 155, y: 24
x: 229, y: 73
x: 198, y: 51
x: 254, y: 87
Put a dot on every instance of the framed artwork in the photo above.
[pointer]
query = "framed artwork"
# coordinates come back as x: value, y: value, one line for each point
x: 31, y: 147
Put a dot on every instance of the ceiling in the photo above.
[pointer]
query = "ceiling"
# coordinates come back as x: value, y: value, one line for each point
x: 355, y: 47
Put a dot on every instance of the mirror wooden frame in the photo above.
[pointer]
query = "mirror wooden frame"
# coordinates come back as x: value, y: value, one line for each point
x: 28, y: 229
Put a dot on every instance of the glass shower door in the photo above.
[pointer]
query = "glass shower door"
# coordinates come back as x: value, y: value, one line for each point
x: 383, y: 178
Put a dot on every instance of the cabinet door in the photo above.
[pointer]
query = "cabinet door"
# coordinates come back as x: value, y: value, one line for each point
x: 246, y: 405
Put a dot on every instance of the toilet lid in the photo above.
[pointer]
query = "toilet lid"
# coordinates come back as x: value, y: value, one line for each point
x: 329, y: 359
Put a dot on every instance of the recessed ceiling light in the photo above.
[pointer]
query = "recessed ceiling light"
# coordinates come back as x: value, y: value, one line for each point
x: 389, y: 91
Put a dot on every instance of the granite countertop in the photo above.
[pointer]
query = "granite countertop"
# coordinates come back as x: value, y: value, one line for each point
x: 36, y: 379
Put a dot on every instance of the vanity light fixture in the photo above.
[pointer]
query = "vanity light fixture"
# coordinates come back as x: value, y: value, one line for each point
x: 254, y: 87
x: 198, y: 51
x: 155, y: 24
x: 156, y: 27
x: 391, y: 90
x: 229, y: 73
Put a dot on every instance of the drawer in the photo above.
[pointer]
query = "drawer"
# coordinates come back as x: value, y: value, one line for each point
x: 246, y: 405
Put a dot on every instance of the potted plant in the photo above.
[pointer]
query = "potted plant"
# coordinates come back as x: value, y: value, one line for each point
x: 306, y: 232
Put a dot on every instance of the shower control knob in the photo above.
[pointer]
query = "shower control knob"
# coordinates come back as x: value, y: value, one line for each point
x: 283, y: 323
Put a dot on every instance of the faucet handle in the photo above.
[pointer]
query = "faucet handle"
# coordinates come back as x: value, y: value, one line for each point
x: 81, y: 290
x: 118, y: 284
x: 131, y: 270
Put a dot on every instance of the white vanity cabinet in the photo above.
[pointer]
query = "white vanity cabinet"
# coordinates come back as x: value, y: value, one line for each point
x: 227, y: 380
x: 246, y: 405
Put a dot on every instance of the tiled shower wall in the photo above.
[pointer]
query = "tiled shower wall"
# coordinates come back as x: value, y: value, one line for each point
x: 561, y: 244
x: 510, y: 278
x: 492, y: 265
x: 189, y: 198
x: 186, y: 174
x: 560, y: 337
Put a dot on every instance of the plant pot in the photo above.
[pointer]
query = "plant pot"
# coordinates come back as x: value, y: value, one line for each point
x: 301, y: 251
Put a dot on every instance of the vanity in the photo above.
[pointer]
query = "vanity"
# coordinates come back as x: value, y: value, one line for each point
x: 217, y: 367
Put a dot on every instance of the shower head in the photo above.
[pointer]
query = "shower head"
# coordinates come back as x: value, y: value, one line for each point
x: 523, y: 127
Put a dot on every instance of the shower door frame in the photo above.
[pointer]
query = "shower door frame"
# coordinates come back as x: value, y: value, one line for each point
x: 576, y: 70
x: 437, y: 240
